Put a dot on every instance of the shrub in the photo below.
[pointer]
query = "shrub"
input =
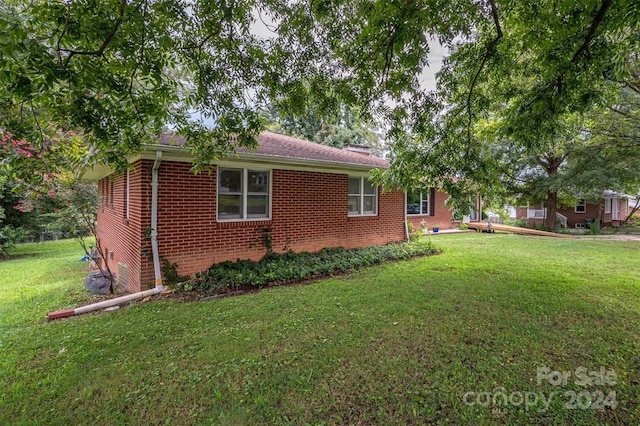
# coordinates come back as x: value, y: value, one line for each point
x: 594, y: 228
x: 170, y: 272
x: 8, y: 238
x: 289, y: 267
x: 521, y: 223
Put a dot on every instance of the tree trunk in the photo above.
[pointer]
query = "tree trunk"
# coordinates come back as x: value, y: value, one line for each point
x: 550, y: 220
x: 633, y: 209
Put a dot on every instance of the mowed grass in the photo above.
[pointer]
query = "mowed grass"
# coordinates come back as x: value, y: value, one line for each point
x: 425, y: 341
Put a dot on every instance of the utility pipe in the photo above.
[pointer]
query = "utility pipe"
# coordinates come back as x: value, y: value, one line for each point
x: 154, y: 219
x: 104, y: 304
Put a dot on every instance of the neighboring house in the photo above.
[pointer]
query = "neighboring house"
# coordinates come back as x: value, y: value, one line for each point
x: 612, y: 211
x: 289, y: 194
x: 428, y: 208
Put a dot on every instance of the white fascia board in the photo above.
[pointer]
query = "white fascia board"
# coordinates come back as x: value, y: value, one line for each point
x: 248, y: 160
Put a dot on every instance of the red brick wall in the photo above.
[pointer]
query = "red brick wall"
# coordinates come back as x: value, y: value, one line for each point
x: 120, y: 238
x: 309, y: 212
x: 591, y: 212
x: 441, y: 217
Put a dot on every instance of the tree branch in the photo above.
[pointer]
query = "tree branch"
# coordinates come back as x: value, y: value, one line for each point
x: 35, y: 118
x: 633, y: 86
x: 64, y: 30
x: 582, y: 50
x: 137, y: 66
x: 485, y: 57
x: 620, y: 112
x: 592, y: 30
x: 106, y: 41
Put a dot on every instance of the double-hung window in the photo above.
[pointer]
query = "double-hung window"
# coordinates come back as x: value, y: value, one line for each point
x: 581, y: 206
x: 363, y: 197
x: 418, y: 203
x: 607, y: 205
x: 243, y: 194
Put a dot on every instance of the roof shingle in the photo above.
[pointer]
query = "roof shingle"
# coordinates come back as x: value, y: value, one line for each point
x: 280, y: 146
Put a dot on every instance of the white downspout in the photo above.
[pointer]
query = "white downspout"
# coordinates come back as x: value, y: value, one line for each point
x: 154, y: 220
x: 406, y: 225
x: 156, y: 260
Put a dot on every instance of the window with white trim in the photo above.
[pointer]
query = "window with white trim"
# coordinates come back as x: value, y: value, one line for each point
x: 607, y: 205
x: 243, y: 194
x: 363, y: 197
x: 581, y: 207
x: 418, y: 203
x: 127, y: 197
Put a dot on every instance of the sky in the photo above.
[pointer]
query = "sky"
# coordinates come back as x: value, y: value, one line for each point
x: 437, y: 52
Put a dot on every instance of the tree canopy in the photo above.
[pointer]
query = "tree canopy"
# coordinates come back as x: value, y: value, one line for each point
x: 338, y: 129
x: 117, y: 72
x: 530, y: 68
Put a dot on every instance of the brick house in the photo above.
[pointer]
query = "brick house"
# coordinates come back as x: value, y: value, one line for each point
x: 428, y: 207
x: 303, y: 195
x: 612, y: 210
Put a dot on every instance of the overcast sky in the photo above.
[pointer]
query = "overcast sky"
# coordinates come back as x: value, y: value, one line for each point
x: 436, y: 55
x: 261, y: 25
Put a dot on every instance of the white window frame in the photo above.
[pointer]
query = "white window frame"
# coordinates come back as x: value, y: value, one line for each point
x: 607, y: 205
x: 362, y: 196
x: 422, y: 200
x: 245, y: 194
x: 128, y: 197
x: 580, y: 203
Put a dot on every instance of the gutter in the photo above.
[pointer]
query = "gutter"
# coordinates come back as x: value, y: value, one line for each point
x: 154, y: 220
x: 175, y: 153
x: 179, y: 151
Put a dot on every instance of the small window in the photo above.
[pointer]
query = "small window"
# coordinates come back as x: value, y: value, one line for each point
x: 417, y: 203
x: 607, y: 205
x: 243, y: 194
x: 127, y: 197
x: 363, y: 197
x: 107, y: 192
x: 101, y: 193
x: 581, y: 207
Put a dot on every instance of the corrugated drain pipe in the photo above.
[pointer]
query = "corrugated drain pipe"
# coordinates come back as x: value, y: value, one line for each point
x: 156, y: 260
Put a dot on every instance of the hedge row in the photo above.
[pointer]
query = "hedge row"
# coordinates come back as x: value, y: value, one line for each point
x: 291, y: 267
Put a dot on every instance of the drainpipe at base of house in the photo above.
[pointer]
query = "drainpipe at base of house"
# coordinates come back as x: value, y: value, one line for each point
x: 156, y: 260
x: 154, y: 219
x: 104, y: 304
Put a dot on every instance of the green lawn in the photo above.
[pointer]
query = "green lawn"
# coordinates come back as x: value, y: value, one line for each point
x: 457, y: 338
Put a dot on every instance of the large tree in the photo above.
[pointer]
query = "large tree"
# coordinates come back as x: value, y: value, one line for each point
x: 338, y: 129
x: 117, y: 71
x: 526, y: 66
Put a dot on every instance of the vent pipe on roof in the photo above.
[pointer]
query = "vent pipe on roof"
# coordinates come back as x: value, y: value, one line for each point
x: 154, y: 219
x: 358, y: 149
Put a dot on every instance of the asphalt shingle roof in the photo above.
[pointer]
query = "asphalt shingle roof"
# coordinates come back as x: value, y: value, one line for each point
x: 280, y: 146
